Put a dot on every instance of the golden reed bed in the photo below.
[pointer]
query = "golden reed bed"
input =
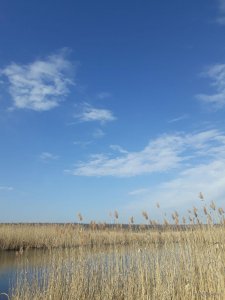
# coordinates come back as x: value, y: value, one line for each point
x: 169, y: 262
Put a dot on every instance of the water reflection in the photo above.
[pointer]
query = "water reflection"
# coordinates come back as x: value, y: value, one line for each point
x: 12, y: 266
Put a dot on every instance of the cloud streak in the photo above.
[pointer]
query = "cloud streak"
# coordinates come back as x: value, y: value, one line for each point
x: 178, y: 119
x: 40, y: 85
x: 47, y: 156
x: 161, y: 155
x: 91, y: 114
x: 216, y: 74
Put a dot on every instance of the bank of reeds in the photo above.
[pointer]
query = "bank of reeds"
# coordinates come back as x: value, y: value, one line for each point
x: 186, y: 270
x: 183, y: 260
x: 205, y: 226
x: 25, y: 236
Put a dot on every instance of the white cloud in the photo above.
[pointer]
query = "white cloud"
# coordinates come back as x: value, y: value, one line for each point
x: 160, y: 155
x: 47, y: 156
x: 182, y: 192
x: 6, y: 188
x: 89, y: 114
x: 217, y: 75
x: 40, y: 85
x: 118, y: 148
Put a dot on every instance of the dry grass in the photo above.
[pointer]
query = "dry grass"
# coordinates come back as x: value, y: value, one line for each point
x: 151, y: 264
x: 25, y: 236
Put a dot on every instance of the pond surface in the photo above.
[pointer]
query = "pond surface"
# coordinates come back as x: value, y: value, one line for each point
x: 11, y: 264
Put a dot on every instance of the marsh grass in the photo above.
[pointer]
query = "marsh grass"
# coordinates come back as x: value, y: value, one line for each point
x: 168, y: 271
x: 178, y: 260
x: 24, y: 236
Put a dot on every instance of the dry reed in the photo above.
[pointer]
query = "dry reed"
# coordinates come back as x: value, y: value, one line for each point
x: 173, y: 261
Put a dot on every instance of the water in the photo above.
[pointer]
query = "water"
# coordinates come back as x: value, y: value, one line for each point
x: 12, y: 266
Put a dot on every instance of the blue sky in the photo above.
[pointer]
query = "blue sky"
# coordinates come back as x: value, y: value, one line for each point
x: 110, y: 105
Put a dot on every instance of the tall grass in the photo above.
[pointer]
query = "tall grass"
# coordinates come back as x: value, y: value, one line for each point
x: 183, y: 260
x: 25, y: 236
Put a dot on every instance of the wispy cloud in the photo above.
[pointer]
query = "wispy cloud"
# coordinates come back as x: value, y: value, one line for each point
x: 98, y: 133
x: 83, y: 144
x: 118, y: 148
x: 160, y: 155
x: 180, y: 118
x: 103, y: 95
x: 221, y: 6
x: 216, y: 74
x: 6, y: 188
x: 139, y: 192
x: 40, y: 85
x: 182, y: 191
x: 89, y: 113
x: 204, y: 172
x: 47, y: 156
